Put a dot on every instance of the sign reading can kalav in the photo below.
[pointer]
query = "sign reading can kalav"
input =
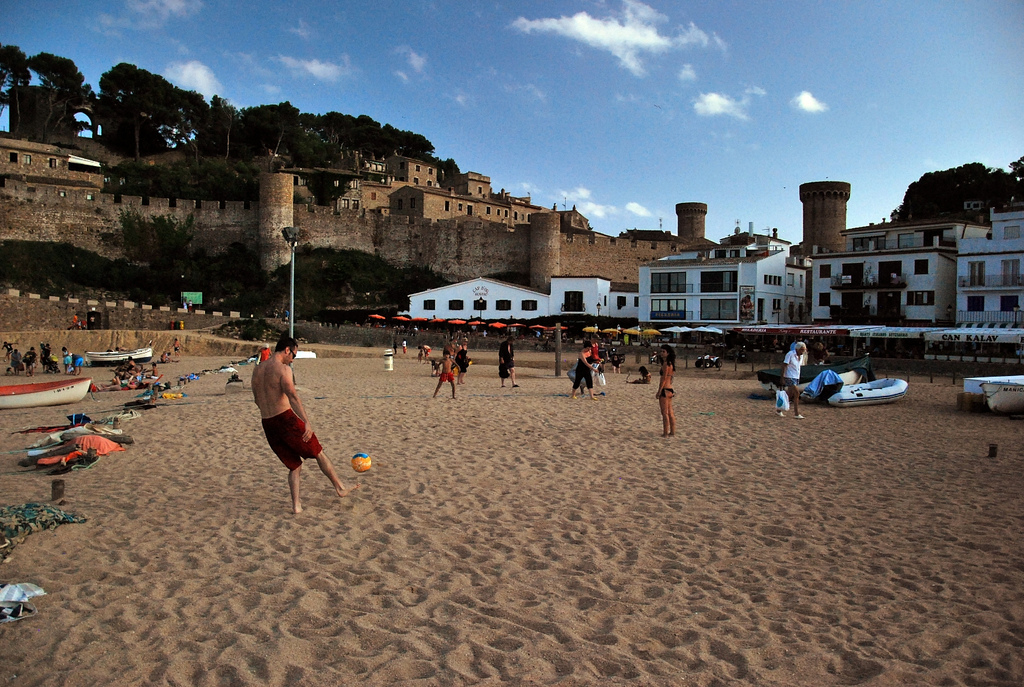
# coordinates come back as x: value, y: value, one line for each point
x: 976, y: 336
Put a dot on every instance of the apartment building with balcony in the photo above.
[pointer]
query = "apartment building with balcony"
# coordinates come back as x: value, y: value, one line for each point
x: 891, y: 273
x: 748, y: 278
x: 990, y: 289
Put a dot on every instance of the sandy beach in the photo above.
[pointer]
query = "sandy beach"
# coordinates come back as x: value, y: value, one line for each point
x: 517, y: 536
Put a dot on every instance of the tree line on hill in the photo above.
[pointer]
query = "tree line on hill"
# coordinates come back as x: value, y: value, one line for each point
x: 142, y: 114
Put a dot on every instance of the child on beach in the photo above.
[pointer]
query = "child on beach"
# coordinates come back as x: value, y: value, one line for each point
x: 446, y: 372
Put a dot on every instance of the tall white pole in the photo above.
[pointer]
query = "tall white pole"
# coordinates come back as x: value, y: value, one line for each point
x: 291, y: 299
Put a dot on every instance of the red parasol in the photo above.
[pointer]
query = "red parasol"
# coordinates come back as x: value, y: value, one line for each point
x: 401, y: 318
x: 497, y: 325
x: 551, y: 329
x: 420, y: 319
x: 456, y: 322
x: 476, y: 322
x: 517, y: 324
x: 377, y: 317
x: 437, y: 319
x: 537, y: 326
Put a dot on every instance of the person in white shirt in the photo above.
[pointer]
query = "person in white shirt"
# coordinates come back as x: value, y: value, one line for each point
x: 791, y: 377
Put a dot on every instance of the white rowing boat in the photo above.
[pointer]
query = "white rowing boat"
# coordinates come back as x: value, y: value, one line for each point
x: 1001, y: 397
x: 139, y: 355
x: 869, y: 393
x: 44, y: 393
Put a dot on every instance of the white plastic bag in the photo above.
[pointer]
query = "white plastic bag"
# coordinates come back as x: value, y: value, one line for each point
x: 601, y: 379
x: 781, y: 400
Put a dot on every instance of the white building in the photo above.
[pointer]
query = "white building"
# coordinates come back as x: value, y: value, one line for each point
x: 749, y: 279
x: 988, y: 272
x: 490, y: 299
x: 891, y: 273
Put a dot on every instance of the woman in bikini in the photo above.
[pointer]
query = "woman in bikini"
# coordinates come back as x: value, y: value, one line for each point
x: 665, y: 392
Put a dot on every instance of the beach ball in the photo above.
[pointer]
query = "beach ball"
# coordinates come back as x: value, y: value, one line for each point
x: 360, y: 462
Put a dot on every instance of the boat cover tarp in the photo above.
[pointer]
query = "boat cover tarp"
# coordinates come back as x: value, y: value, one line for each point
x: 824, y: 385
x: 809, y: 372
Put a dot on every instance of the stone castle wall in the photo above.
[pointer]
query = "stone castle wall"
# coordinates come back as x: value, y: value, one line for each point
x: 456, y: 249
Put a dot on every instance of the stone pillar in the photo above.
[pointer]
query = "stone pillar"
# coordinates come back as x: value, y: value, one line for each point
x: 545, y: 249
x: 691, y: 218
x: 275, y: 214
x: 824, y: 214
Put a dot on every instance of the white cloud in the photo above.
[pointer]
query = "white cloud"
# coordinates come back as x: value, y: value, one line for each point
x: 756, y: 90
x: 165, y: 9
x: 417, y: 62
x: 808, y: 103
x: 403, y: 76
x: 271, y: 89
x: 687, y: 73
x: 325, y: 71
x: 594, y: 210
x: 712, y: 104
x: 193, y: 76
x: 529, y: 188
x: 461, y: 98
x: 528, y: 88
x: 302, y: 30
x: 580, y: 198
x: 638, y: 209
x: 626, y: 37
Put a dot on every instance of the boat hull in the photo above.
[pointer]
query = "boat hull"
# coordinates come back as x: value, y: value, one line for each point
x: 850, y: 372
x: 108, y: 358
x: 44, y: 394
x: 874, y: 393
x: 1004, y: 398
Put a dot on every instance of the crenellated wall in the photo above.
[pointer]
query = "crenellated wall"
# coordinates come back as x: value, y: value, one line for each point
x: 457, y: 249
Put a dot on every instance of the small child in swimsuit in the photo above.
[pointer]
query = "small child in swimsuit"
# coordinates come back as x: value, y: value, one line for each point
x: 446, y: 372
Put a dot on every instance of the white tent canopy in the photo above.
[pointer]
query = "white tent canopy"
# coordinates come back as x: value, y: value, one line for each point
x: 893, y: 332
x: 976, y: 336
x: 678, y: 330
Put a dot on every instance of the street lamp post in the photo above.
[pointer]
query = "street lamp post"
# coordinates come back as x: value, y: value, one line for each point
x: 291, y: 235
x: 599, y: 310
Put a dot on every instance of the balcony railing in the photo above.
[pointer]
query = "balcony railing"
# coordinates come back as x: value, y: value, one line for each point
x: 848, y: 281
x: 868, y: 314
x: 680, y: 288
x: 989, y: 316
x: 883, y: 243
x: 992, y: 281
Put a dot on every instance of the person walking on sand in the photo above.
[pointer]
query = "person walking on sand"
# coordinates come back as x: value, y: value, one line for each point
x: 584, y: 371
x: 446, y: 372
x: 462, y: 361
x: 177, y: 347
x: 665, y: 392
x: 285, y: 422
x: 791, y: 377
x: 507, y: 362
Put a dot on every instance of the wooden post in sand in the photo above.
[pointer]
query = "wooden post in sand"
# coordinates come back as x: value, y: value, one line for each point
x: 558, y: 349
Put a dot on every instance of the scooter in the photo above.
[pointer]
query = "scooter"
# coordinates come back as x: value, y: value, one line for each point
x: 708, y: 361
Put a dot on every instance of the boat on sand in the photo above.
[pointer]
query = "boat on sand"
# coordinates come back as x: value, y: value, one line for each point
x: 44, y: 393
x: 1003, y: 397
x: 873, y: 393
x: 851, y: 372
x: 139, y: 355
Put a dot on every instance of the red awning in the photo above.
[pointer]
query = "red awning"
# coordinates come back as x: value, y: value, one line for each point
x: 795, y: 330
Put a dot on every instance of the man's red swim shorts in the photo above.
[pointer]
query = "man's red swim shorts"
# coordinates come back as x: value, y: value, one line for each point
x: 284, y: 434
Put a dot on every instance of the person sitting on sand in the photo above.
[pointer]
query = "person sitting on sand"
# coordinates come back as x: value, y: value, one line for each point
x: 645, y: 377
x: 284, y: 420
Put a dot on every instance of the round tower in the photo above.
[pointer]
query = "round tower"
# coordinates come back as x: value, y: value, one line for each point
x: 824, y: 214
x: 691, y: 218
x: 275, y: 214
x: 545, y: 249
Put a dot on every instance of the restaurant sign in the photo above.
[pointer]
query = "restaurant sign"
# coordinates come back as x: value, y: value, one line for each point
x: 970, y: 337
x: 668, y: 315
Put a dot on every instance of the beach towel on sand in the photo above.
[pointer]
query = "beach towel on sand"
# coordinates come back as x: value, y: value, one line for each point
x: 17, y: 522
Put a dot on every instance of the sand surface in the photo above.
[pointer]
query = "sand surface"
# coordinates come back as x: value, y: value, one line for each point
x: 518, y: 536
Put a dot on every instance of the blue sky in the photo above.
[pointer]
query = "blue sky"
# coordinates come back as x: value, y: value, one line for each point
x: 621, y: 108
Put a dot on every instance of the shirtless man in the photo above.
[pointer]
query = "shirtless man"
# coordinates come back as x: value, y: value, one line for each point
x: 284, y: 421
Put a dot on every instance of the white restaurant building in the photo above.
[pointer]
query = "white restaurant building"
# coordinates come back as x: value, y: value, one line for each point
x: 491, y: 299
x: 748, y: 279
x: 990, y: 290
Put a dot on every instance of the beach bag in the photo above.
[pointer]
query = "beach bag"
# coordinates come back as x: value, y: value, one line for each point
x: 503, y: 371
x: 781, y: 400
x: 601, y: 379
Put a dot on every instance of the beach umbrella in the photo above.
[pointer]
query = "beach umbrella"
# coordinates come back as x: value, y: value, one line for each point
x: 436, y: 319
x: 420, y: 319
x: 551, y: 329
x: 456, y: 322
x: 497, y: 325
x: 377, y: 317
x: 517, y: 324
x: 632, y: 331
x: 476, y: 322
x: 650, y: 332
x: 610, y: 330
x: 401, y: 318
x: 537, y: 326
x: 592, y: 330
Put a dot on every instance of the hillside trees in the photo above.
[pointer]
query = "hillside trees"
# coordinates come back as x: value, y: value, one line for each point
x: 63, y: 88
x: 14, y: 74
x: 944, y: 192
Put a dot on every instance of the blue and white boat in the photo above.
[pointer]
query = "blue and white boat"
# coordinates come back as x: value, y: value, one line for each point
x: 877, y: 392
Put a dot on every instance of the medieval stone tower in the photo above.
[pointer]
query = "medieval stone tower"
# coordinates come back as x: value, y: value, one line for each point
x: 276, y: 213
x: 545, y: 249
x: 691, y: 218
x: 824, y: 214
